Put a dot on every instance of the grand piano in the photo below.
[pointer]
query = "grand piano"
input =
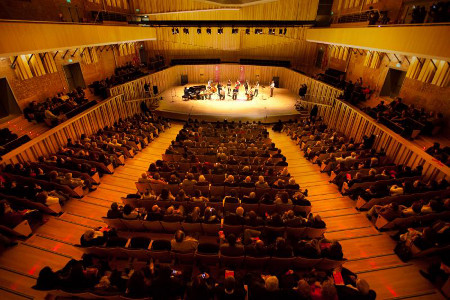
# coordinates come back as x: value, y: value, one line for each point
x: 194, y: 92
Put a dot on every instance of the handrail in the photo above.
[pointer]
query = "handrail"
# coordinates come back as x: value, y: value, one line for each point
x: 57, y: 128
x: 63, y: 23
x: 314, y: 103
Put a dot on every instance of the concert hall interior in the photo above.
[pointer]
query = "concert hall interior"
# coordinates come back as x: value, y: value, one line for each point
x: 225, y: 149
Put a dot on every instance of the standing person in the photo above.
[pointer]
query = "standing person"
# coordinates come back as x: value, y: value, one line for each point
x: 256, y: 89
x: 219, y: 88
x: 210, y: 82
x: 235, y: 92
x: 229, y: 87
x: 272, y: 87
x: 246, y: 87
x: 238, y: 85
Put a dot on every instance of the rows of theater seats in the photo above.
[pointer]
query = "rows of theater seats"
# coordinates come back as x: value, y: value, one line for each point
x: 217, y: 200
x: 44, y: 186
x: 396, y: 196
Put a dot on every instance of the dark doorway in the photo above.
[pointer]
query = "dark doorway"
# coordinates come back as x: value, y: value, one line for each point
x: 393, y: 83
x: 143, y: 55
x: 74, y: 76
x: 184, y: 79
x: 276, y: 80
x: 8, y: 103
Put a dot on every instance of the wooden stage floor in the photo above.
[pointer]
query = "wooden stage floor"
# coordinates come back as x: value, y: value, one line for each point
x: 262, y: 108
x: 369, y: 252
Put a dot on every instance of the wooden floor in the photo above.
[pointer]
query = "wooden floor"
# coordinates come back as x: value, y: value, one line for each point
x: 369, y: 253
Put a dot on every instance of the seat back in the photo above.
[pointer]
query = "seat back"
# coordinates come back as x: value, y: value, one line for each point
x: 267, y: 208
x: 235, y: 229
x: 295, y: 232
x: 233, y: 262
x: 170, y: 227
x: 231, y: 207
x: 278, y: 264
x: 183, y: 258
x: 153, y: 226
x: 114, y: 223
x: 313, y: 233
x: 248, y: 207
x: 134, y: 225
x: 158, y: 187
x: 192, y: 227
x: 245, y: 191
x: 281, y: 208
x: 306, y: 263
x: 329, y: 264
x: 256, y: 262
x: 207, y: 259
x: 211, y: 229
x: 203, y: 188
x: 217, y: 191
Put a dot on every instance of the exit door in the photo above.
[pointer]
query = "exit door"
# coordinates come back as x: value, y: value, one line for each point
x: 393, y: 83
x: 74, y: 76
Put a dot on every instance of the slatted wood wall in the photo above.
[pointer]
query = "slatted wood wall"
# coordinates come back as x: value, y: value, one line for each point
x: 99, y: 116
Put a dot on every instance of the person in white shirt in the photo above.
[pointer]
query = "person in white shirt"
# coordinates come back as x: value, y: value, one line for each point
x: 272, y: 87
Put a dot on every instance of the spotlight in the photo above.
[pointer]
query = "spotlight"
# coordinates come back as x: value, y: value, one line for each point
x: 220, y: 31
x: 185, y: 30
x: 199, y: 30
x: 208, y: 30
x: 234, y: 31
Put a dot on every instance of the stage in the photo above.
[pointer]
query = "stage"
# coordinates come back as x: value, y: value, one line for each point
x: 261, y: 108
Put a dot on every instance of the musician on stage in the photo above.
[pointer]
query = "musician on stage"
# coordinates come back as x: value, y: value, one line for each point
x: 246, y: 87
x: 219, y: 88
x: 238, y: 84
x: 272, y: 87
x: 229, y: 87
x: 222, y: 94
x: 235, y: 92
x: 256, y: 89
x: 210, y: 82
x: 250, y: 95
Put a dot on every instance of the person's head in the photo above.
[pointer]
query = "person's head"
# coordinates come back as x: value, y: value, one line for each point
x: 292, y: 181
x: 252, y: 195
x: 271, y: 284
x: 156, y: 209
x: 229, y: 284
x: 196, y: 211
x: 362, y: 286
x: 246, y: 169
x: 170, y: 210
x: 156, y: 176
x: 303, y: 289
x: 179, y: 236
x: 372, y: 172
x: 190, y: 176
x: 144, y: 175
x: 4, y: 207
x: 261, y: 179
x: 114, y: 206
x: 248, y: 179
x: 231, y: 239
x: 201, y: 178
x: 240, y: 211
x: 328, y: 290
x: 230, y: 179
x: 89, y: 235
x: 280, y: 243
x: 127, y: 209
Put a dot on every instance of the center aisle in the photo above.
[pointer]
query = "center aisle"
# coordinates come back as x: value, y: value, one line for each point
x: 370, y: 253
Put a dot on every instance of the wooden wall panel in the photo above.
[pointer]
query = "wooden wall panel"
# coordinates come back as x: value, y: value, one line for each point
x: 232, y: 47
x: 354, y: 123
x: 277, y: 10
x: 99, y: 116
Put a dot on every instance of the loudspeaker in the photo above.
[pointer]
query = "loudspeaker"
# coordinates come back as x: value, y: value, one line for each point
x: 277, y: 81
x: 184, y: 79
x: 155, y: 90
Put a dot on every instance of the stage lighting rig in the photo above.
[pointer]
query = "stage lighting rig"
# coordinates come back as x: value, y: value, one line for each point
x: 185, y: 30
x: 234, y: 31
x: 220, y: 31
x: 247, y: 31
x: 208, y: 30
x: 175, y: 31
x: 199, y: 31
